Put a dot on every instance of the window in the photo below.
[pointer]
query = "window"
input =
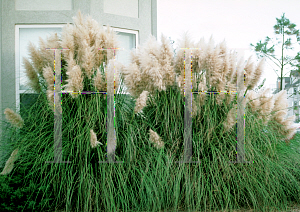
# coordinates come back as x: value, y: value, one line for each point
x: 128, y: 40
x: 24, y: 34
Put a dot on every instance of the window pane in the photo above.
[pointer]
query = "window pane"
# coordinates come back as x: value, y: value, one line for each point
x: 26, y: 35
x: 127, y: 41
x: 26, y: 101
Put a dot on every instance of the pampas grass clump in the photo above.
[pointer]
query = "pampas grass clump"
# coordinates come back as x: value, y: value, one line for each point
x: 149, y: 137
x: 214, y: 115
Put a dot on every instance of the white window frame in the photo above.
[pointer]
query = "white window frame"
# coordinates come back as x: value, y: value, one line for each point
x: 129, y: 31
x: 17, y: 55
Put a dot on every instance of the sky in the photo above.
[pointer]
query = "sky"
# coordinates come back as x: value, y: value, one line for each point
x: 239, y: 22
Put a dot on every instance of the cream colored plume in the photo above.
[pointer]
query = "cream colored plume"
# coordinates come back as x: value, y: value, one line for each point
x: 75, y: 80
x: 198, y: 101
x: 254, y: 101
x: 93, y: 139
x: 112, y: 75
x: 49, y: 77
x: 141, y: 102
x: 230, y: 120
x: 50, y: 98
x: 266, y: 105
x: 32, y: 75
x: 156, y: 139
x: 88, y: 59
x: 288, y: 127
x: 257, y: 74
x: 67, y: 41
x: 100, y: 82
x: 9, y: 165
x: 280, y: 106
x: 14, y: 118
x: 36, y: 58
x: 249, y: 69
x: 151, y: 68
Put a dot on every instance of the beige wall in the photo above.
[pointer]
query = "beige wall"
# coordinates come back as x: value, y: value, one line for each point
x: 129, y: 8
x: 43, y: 5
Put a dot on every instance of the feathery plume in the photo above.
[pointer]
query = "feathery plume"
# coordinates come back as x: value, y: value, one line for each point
x: 226, y: 65
x: 47, y: 55
x: 180, y: 82
x: 100, y: 83
x: 75, y: 80
x: 70, y: 61
x: 280, y: 106
x: 50, y: 98
x: 253, y: 100
x: 49, y: 77
x: 200, y: 56
x: 229, y: 97
x: 93, y: 139
x: 267, y: 106
x: 156, y: 140
x: 78, y: 20
x: 53, y: 41
x: 232, y: 67
x: 223, y: 48
x: 32, y: 75
x: 257, y: 74
x: 287, y: 129
x: 36, y: 58
x: 249, y: 69
x: 166, y: 59
x: 88, y: 59
x: 166, y: 54
x: 230, y: 120
x: 112, y: 72
x: 141, y: 102
x: 14, y: 118
x: 133, y: 79
x: 67, y: 40
x: 214, y: 65
x: 239, y: 74
x: 198, y: 101
x: 185, y: 42
x: 100, y: 55
x: 93, y: 29
x: 135, y: 56
x: 9, y: 165
x: 110, y: 42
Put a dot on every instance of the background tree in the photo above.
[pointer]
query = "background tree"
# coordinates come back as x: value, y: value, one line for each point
x: 284, y: 28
